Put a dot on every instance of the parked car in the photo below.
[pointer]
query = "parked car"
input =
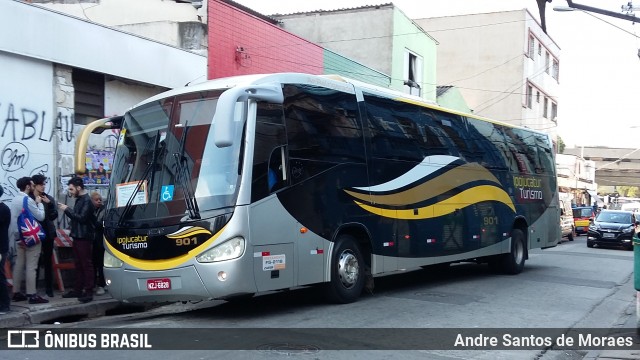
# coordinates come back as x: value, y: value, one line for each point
x: 567, y: 227
x: 582, y: 217
x: 613, y: 227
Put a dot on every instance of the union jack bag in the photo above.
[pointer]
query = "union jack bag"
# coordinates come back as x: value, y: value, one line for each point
x: 30, y: 230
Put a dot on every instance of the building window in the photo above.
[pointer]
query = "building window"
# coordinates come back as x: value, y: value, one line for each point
x: 413, y: 73
x: 88, y: 96
x: 531, y: 45
x: 539, y: 49
x: 547, y: 64
x: 538, y: 97
x: 529, y: 96
x: 545, y: 113
x: 556, y: 69
x: 554, y: 111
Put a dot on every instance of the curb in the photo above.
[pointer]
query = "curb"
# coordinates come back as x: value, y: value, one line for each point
x: 29, y: 316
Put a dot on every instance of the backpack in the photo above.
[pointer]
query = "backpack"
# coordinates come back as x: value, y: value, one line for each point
x: 30, y: 230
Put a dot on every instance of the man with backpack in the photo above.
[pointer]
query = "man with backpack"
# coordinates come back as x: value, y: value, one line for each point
x: 27, y: 257
x: 51, y: 214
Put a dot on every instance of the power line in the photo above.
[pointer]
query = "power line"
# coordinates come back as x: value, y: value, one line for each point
x: 383, y: 36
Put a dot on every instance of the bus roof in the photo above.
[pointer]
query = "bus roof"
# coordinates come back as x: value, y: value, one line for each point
x: 337, y: 82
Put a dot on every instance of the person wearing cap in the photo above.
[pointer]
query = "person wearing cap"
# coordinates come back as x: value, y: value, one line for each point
x: 5, y: 217
x: 51, y: 214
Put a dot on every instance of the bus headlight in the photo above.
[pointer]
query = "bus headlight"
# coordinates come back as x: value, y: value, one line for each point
x: 230, y: 249
x: 111, y: 261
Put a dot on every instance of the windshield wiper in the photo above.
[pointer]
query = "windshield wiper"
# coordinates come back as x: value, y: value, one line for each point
x: 145, y: 174
x: 184, y: 177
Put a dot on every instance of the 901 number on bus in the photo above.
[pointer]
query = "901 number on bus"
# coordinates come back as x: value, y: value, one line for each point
x: 187, y: 241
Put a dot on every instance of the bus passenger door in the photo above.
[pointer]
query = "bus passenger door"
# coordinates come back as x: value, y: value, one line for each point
x: 273, y: 231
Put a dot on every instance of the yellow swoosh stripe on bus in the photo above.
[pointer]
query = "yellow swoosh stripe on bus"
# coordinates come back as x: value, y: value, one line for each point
x: 188, y: 231
x: 163, y: 264
x: 431, y: 188
x: 445, y: 207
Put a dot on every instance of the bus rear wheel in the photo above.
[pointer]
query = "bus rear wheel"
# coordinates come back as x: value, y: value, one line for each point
x: 513, y: 262
x: 347, y: 271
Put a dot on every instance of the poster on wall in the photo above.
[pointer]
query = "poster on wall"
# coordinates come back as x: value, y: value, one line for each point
x: 98, y: 167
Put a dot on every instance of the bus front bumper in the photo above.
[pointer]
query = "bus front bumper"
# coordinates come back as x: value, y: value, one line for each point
x: 206, y: 282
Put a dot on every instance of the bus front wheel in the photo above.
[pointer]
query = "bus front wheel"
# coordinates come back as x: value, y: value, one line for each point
x: 347, y: 271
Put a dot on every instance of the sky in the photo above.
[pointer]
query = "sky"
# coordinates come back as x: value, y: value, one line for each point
x: 599, y: 60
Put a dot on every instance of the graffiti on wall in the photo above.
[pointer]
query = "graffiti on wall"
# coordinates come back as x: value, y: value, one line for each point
x: 26, y: 143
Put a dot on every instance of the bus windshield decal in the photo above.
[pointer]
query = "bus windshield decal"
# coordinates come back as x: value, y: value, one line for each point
x: 125, y: 193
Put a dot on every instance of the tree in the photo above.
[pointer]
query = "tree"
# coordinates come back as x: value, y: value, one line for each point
x: 561, y: 145
x: 628, y: 191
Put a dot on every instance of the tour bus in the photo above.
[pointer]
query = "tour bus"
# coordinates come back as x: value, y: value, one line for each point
x: 255, y: 183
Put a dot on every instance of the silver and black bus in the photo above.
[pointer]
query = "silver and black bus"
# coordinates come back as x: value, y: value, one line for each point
x: 257, y: 183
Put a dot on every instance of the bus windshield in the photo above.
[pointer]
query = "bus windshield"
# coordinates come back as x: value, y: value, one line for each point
x: 166, y: 165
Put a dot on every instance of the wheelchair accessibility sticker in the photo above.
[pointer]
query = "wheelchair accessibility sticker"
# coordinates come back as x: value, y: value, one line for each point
x: 166, y: 193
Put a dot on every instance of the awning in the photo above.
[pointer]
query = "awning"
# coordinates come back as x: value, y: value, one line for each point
x: 594, y: 196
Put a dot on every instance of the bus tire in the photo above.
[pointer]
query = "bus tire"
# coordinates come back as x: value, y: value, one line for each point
x: 513, y: 262
x: 347, y: 271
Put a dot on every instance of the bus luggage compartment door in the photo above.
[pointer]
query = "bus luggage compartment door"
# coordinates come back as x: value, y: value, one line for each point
x: 273, y: 266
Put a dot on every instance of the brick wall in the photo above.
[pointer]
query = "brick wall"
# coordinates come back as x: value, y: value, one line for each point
x: 241, y: 43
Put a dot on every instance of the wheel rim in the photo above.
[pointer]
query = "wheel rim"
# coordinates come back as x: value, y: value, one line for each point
x: 518, y: 252
x: 348, y: 269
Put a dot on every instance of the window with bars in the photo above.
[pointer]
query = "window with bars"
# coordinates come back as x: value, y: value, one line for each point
x: 556, y: 69
x: 532, y: 42
x: 545, y: 111
x: 529, y: 96
x: 547, y: 62
x: 554, y: 111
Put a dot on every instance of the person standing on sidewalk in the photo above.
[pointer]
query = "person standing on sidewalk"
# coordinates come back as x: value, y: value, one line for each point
x: 5, y: 218
x: 98, y: 244
x: 82, y: 233
x: 27, y: 257
x: 51, y: 214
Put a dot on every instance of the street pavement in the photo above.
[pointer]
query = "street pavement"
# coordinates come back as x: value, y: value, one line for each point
x: 61, y: 310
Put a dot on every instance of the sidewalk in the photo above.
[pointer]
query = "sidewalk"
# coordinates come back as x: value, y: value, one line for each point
x: 629, y: 327
x: 59, y: 309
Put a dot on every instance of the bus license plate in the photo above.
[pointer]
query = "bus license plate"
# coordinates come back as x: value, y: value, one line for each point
x: 158, y: 284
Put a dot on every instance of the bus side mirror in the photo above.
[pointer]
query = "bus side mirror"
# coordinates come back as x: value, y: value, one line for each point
x: 223, y: 129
